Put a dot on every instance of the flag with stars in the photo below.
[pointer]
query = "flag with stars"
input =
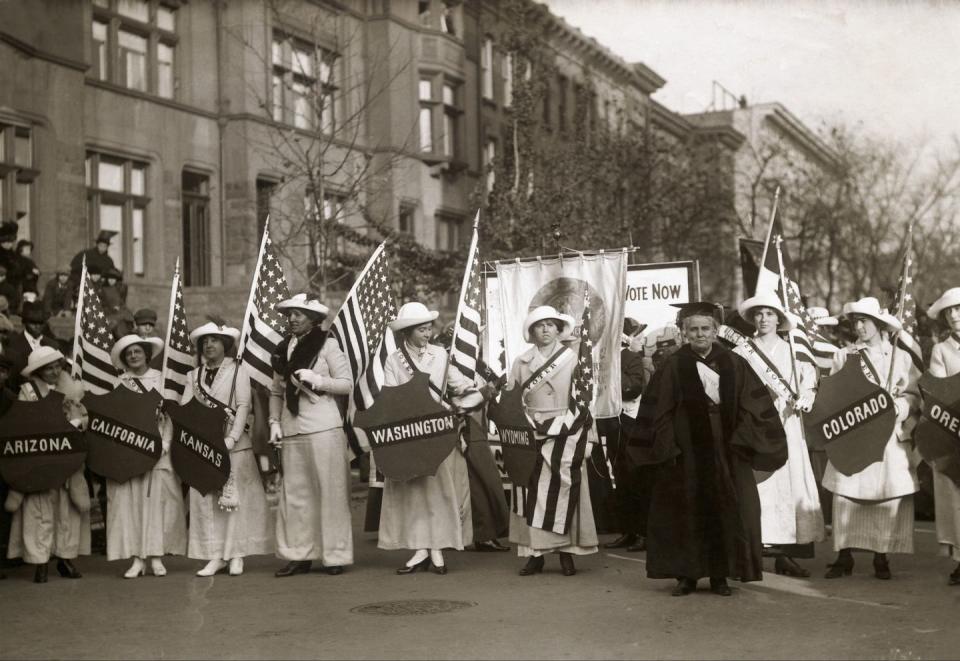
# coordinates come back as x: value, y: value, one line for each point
x: 360, y: 328
x: 92, y: 341
x: 905, y: 307
x: 263, y: 325
x: 552, y: 500
x: 465, y: 347
x: 178, y: 355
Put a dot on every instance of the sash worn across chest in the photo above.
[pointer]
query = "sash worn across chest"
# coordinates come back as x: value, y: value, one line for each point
x: 767, y: 371
x: 205, y: 396
x: 552, y: 364
x: 411, y: 367
x: 869, y: 369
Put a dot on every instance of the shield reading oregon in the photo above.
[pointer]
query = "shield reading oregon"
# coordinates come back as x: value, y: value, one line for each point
x: 123, y: 438
x: 517, y: 442
x: 410, y: 433
x: 198, y: 453
x: 852, y: 419
x: 938, y: 433
x: 39, y: 448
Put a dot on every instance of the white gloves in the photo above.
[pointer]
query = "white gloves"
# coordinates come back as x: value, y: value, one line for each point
x: 229, y: 441
x: 310, y: 377
x: 276, y: 433
x: 903, y: 409
x: 804, y: 401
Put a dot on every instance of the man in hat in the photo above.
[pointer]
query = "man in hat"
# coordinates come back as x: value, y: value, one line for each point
x: 714, y: 423
x: 96, y: 256
x: 58, y: 296
x: 35, y: 334
x: 145, y: 325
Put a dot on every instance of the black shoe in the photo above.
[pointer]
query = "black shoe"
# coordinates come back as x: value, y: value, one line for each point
x: 623, y: 541
x: 442, y: 569
x: 490, y: 545
x: 641, y: 545
x: 40, y: 575
x: 881, y: 568
x: 684, y: 587
x: 534, y: 566
x: 423, y: 565
x: 955, y: 576
x: 66, y: 569
x: 294, y: 567
x: 719, y: 586
x: 566, y: 564
x: 333, y: 570
x: 787, y: 566
x: 843, y: 566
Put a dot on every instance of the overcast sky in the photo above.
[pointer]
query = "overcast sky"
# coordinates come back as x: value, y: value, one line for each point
x: 894, y: 66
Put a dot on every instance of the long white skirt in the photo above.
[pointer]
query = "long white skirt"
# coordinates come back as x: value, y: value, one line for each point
x: 790, y: 510
x: 48, y: 524
x: 881, y: 526
x: 430, y: 512
x: 146, y: 516
x: 313, y: 520
x: 248, y: 530
x: 947, y: 497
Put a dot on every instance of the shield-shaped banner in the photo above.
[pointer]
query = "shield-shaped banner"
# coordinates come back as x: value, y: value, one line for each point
x: 410, y: 433
x: 123, y: 438
x: 198, y: 453
x: 519, y: 446
x: 39, y: 448
x: 852, y: 419
x: 938, y: 433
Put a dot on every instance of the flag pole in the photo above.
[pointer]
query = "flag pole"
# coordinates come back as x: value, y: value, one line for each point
x: 784, y: 283
x: 75, y: 371
x: 245, y: 327
x: 463, y: 292
x: 900, y: 296
x: 173, y: 304
x: 766, y: 244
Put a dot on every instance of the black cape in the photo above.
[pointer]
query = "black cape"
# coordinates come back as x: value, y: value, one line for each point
x: 705, y: 510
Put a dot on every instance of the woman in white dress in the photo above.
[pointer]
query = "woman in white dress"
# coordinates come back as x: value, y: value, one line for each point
x: 432, y: 513
x: 873, y: 509
x: 225, y: 527
x: 944, y: 362
x: 790, y: 516
x: 145, y: 515
x: 54, y: 522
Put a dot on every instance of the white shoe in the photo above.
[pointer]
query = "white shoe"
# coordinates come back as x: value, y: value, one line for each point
x: 212, y: 568
x: 136, y: 569
x: 156, y: 566
x: 236, y: 566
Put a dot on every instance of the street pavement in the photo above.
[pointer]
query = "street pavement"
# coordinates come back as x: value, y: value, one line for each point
x: 608, y: 610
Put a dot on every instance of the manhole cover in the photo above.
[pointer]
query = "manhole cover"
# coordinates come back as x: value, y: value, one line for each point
x: 412, y: 607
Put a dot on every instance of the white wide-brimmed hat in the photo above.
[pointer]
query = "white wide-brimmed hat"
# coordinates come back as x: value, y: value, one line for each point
x: 822, y: 316
x: 547, y: 312
x: 870, y: 307
x: 767, y: 300
x: 949, y: 298
x: 413, y: 313
x: 121, y: 345
x: 210, y: 328
x: 304, y: 302
x: 40, y: 357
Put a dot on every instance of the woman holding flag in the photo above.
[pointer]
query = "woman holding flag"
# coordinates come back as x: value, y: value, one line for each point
x: 873, y: 509
x: 790, y: 516
x: 145, y: 516
x: 944, y: 362
x: 426, y: 514
x: 238, y: 523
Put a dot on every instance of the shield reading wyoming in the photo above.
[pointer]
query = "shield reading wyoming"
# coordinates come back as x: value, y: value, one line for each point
x: 410, y: 433
x: 123, y: 439
x: 938, y: 433
x: 198, y: 453
x: 517, y: 442
x: 39, y: 448
x: 852, y: 419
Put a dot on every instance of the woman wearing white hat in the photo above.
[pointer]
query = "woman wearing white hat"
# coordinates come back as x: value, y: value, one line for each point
x: 545, y: 372
x: 145, y: 515
x: 425, y: 514
x: 791, y: 519
x: 944, y: 362
x: 313, y: 521
x: 54, y: 522
x: 873, y: 509
x: 237, y: 523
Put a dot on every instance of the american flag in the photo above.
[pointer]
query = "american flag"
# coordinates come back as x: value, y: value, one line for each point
x: 776, y: 275
x: 178, y: 355
x: 905, y: 307
x: 465, y: 347
x: 361, y: 330
x: 263, y: 325
x: 92, y: 341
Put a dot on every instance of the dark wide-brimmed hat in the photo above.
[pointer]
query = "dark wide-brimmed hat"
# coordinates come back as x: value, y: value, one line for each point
x: 105, y: 236
x: 145, y: 316
x: 8, y: 231
x: 33, y: 313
